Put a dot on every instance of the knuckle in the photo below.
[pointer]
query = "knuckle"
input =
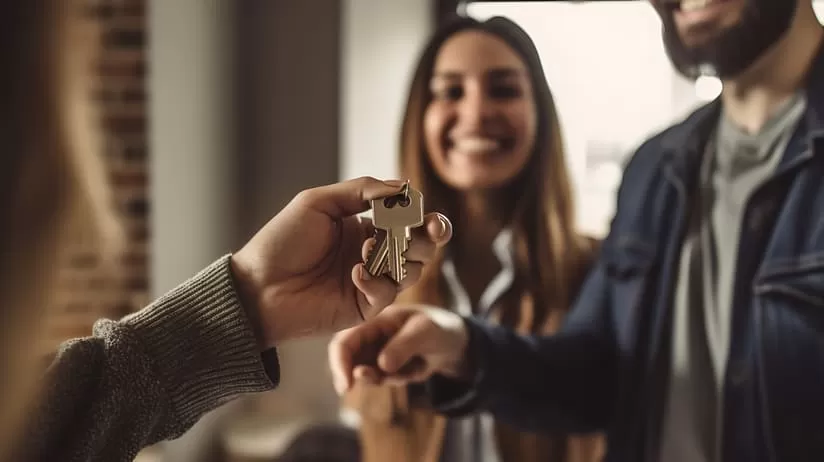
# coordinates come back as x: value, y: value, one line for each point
x: 364, y: 181
x: 307, y: 196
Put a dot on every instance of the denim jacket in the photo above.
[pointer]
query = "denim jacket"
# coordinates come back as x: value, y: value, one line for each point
x: 607, y: 369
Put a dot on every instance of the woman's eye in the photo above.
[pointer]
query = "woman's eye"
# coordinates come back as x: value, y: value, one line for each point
x: 451, y: 93
x: 505, y: 91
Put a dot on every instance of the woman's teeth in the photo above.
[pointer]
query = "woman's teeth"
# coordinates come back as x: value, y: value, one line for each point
x: 476, y: 145
x: 694, y: 5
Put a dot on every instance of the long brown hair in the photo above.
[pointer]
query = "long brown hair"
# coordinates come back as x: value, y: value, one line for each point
x: 51, y: 181
x: 549, y: 253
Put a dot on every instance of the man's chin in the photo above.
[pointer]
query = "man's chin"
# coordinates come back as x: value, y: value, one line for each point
x: 728, y: 52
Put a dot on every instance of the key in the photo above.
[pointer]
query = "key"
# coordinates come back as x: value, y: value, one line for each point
x: 397, y: 215
x: 376, y: 260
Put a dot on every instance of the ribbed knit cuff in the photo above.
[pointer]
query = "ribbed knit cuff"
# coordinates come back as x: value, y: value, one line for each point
x: 202, y: 343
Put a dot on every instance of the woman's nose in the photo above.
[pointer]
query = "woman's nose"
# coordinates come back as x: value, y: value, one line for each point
x: 475, y: 108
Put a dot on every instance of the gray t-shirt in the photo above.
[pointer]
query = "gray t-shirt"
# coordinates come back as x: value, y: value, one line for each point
x: 735, y: 165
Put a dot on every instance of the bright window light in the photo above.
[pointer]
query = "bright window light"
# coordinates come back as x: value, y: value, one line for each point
x: 613, y: 86
x: 707, y: 88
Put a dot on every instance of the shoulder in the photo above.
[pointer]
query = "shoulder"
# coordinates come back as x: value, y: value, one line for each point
x: 648, y: 158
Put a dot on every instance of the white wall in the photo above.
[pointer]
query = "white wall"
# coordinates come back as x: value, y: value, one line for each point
x: 190, y: 137
x: 613, y: 87
x: 190, y: 144
x: 381, y: 40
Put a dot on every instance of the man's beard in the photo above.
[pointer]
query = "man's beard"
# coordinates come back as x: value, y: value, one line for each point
x: 734, y: 50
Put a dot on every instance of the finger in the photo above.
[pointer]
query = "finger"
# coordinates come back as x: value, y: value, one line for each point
x: 367, y: 374
x: 436, y: 232
x: 366, y: 226
x: 352, y: 347
x: 413, y: 275
x: 437, y: 228
x: 415, y: 370
x: 351, y: 197
x: 341, y: 360
x: 367, y: 247
x: 402, y: 380
x: 404, y: 345
x: 374, y: 293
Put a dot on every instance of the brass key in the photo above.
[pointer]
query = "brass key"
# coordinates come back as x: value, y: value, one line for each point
x: 376, y: 260
x: 396, y: 216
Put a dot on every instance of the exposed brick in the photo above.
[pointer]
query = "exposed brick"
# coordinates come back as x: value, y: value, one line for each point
x: 83, y: 260
x: 136, y: 207
x: 104, y: 11
x: 90, y: 290
x: 121, y: 110
x: 120, y: 68
x: 129, y: 179
x: 124, y: 39
x: 133, y: 95
x: 100, y: 12
x: 134, y: 152
x: 136, y: 284
x: 115, y: 88
x: 125, y: 153
x: 137, y: 8
x: 138, y: 233
x: 136, y: 256
x: 119, y: 95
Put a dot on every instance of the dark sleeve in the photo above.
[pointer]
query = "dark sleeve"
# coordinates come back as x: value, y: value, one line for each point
x: 562, y: 382
x: 150, y: 376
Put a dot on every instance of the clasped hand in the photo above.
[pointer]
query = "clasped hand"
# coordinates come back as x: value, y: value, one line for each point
x: 403, y: 344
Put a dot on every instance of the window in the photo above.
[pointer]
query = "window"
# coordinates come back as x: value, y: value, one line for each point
x: 613, y: 86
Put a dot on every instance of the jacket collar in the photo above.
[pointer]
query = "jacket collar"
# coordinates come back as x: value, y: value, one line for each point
x: 683, y: 145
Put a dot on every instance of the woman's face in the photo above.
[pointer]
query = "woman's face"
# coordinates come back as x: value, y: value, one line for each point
x: 480, y: 127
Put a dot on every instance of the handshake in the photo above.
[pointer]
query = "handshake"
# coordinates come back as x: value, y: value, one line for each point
x: 405, y: 343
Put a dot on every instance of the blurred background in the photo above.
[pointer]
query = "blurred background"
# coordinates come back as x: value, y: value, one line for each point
x: 215, y: 113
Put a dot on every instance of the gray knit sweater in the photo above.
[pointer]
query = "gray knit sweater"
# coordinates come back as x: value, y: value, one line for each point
x: 150, y: 376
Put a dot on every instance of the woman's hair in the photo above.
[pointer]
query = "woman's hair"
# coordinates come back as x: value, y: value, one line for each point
x: 549, y: 254
x: 51, y: 181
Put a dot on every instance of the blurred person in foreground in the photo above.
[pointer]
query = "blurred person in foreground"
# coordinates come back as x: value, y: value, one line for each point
x: 699, y: 335
x: 481, y: 138
x: 150, y: 376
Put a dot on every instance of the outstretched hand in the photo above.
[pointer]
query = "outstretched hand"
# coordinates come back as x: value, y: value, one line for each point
x: 302, y: 273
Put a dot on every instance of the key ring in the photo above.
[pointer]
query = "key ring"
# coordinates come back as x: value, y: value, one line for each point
x: 404, y: 201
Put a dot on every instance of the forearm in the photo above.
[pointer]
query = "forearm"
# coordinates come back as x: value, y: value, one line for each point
x: 555, y: 382
x: 152, y: 375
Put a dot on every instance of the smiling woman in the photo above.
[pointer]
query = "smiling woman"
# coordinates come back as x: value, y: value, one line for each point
x: 469, y: 148
x: 481, y: 139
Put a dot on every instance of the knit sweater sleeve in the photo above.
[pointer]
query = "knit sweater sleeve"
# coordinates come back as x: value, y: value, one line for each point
x: 150, y: 376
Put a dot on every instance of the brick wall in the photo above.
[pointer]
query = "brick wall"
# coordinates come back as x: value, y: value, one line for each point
x: 119, y: 91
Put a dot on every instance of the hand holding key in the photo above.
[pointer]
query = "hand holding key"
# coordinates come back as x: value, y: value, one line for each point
x: 302, y: 273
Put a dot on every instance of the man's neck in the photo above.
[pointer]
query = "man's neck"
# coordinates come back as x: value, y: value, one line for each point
x: 751, y: 98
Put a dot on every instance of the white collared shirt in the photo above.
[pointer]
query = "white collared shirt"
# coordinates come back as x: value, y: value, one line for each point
x: 473, y: 438
x: 502, y: 248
